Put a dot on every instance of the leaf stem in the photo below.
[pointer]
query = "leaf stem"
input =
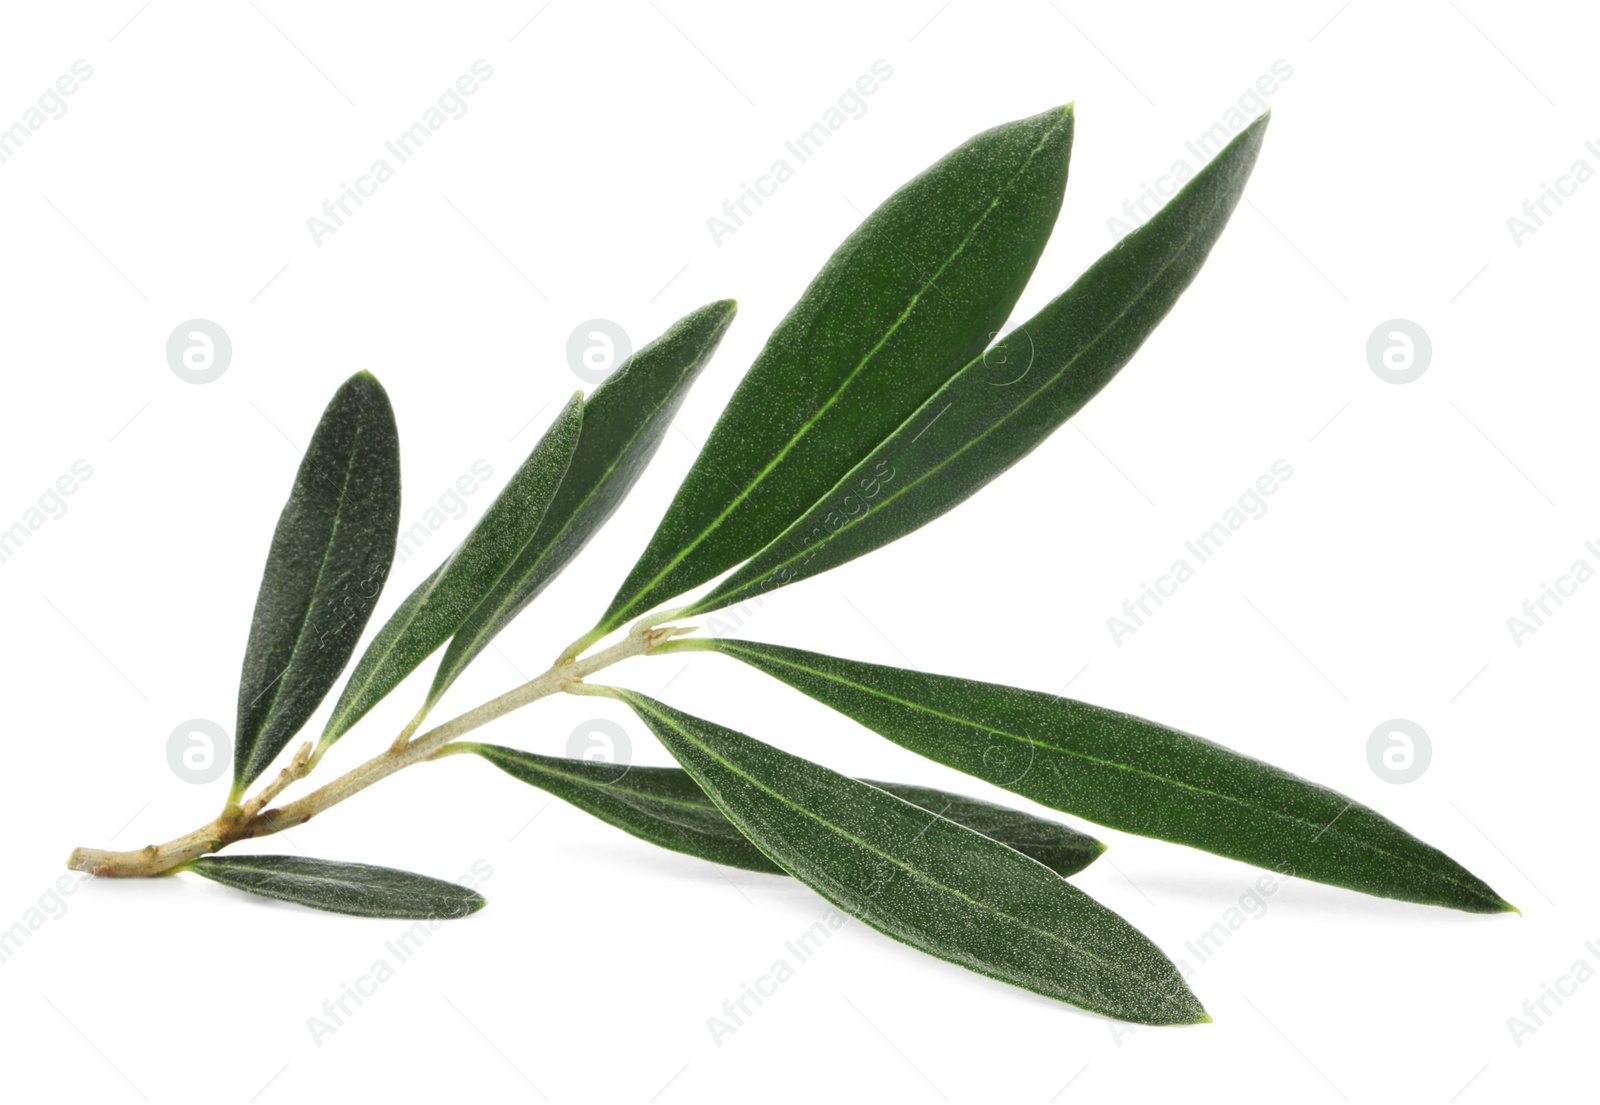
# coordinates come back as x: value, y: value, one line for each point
x: 413, y: 725
x: 254, y: 819
x: 297, y: 769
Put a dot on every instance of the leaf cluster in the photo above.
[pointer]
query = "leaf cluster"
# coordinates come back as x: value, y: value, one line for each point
x: 880, y: 402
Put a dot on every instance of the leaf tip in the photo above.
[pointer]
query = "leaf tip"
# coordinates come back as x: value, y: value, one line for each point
x: 714, y: 319
x: 1057, y: 124
x: 364, y: 380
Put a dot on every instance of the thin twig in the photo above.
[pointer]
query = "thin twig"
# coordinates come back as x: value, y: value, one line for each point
x: 254, y: 819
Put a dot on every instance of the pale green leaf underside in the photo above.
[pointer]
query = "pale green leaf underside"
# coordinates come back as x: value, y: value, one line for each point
x: 665, y: 806
x: 433, y: 612
x: 623, y: 424
x: 923, y: 880
x: 356, y: 889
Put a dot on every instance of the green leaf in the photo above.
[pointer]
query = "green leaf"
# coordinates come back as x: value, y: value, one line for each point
x: 923, y: 880
x: 1002, y: 404
x: 665, y: 806
x: 1128, y: 773
x: 329, y: 559
x: 433, y: 612
x: 915, y: 293
x: 623, y: 423
x: 358, y: 889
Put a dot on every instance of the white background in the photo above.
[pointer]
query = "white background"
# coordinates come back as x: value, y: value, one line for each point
x: 177, y: 185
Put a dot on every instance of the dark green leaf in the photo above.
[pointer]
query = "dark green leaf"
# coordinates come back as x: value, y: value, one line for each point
x: 435, y: 610
x: 358, y: 889
x: 1128, y: 773
x: 623, y: 423
x: 926, y: 881
x: 665, y: 806
x: 915, y: 293
x: 329, y: 559
x: 1005, y: 402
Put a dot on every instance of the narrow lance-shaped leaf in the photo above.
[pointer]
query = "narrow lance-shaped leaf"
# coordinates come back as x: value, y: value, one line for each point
x: 358, y: 889
x: 623, y: 423
x: 923, y: 880
x: 329, y: 559
x: 1128, y: 773
x: 1005, y: 402
x: 912, y: 295
x: 432, y: 613
x: 665, y: 806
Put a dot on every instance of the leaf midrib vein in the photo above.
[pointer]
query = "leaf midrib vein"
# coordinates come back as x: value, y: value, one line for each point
x: 316, y: 590
x: 788, y: 446
x: 872, y: 511
x: 1329, y: 829
x: 707, y: 806
x: 470, y: 650
x: 1055, y: 938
